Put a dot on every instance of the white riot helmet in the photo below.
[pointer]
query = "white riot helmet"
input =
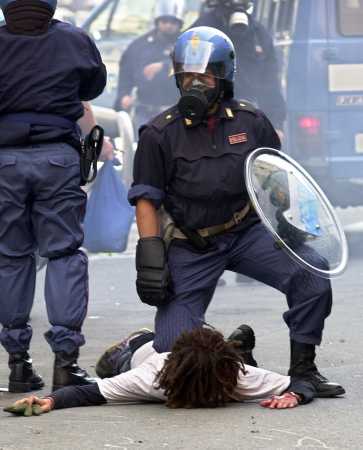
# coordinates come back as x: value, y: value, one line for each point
x: 170, y: 9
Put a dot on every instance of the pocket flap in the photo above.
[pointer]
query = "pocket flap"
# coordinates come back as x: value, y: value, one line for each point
x: 63, y: 160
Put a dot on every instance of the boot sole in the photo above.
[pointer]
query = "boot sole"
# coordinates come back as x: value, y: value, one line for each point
x: 18, y: 388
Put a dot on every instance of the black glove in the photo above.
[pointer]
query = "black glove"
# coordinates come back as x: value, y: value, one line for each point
x: 152, y: 271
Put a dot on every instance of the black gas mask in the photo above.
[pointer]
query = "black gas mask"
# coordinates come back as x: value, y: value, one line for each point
x: 28, y: 17
x: 197, y: 99
x: 236, y: 13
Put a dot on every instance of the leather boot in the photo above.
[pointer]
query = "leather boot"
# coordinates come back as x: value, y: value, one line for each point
x: 302, y: 365
x: 245, y: 336
x: 23, y: 378
x: 67, y: 371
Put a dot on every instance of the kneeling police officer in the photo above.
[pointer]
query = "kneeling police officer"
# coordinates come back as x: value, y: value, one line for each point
x: 190, y: 161
x: 48, y: 68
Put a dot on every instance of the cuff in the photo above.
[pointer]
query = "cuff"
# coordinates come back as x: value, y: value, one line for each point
x: 146, y: 192
x: 303, y: 388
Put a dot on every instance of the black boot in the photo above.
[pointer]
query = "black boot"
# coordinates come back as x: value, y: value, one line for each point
x: 302, y: 366
x: 67, y: 372
x: 23, y: 378
x: 245, y: 336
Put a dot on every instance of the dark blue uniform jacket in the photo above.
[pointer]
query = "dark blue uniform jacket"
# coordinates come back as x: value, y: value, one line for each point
x: 47, y: 74
x: 257, y: 77
x: 147, y: 49
x: 196, y: 175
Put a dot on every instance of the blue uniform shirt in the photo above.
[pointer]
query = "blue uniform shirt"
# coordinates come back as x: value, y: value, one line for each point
x: 148, y: 49
x: 257, y: 77
x: 197, y: 175
x: 50, y: 74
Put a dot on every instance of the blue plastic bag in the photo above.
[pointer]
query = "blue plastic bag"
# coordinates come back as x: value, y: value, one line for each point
x: 109, y: 215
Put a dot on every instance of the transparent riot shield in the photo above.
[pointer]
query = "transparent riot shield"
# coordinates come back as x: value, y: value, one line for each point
x: 296, y: 212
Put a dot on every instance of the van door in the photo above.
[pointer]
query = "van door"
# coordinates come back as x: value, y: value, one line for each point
x: 345, y: 80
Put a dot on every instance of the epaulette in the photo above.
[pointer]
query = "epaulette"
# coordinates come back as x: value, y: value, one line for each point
x: 165, y: 118
x: 244, y: 105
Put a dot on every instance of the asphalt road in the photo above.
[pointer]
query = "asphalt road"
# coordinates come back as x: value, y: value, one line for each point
x: 114, y: 311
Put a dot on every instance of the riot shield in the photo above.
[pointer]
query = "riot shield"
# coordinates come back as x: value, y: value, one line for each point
x: 296, y: 212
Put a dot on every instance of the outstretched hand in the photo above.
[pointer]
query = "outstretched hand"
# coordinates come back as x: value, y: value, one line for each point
x: 30, y: 406
x: 287, y: 400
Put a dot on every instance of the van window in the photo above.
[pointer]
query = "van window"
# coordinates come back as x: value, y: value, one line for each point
x: 350, y: 17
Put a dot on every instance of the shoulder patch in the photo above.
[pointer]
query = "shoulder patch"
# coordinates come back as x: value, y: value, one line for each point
x: 244, y: 105
x: 165, y: 118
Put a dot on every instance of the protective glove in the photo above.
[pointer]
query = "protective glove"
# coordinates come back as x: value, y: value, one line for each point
x: 152, y: 271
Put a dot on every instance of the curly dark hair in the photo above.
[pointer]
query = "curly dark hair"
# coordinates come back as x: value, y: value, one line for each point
x: 201, y: 371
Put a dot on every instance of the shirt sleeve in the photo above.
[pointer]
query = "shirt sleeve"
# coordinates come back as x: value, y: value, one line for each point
x: 136, y: 385
x: 267, y: 136
x: 74, y: 396
x: 93, y: 73
x: 304, y: 388
x: 149, y: 170
x: 126, y: 77
x: 258, y: 383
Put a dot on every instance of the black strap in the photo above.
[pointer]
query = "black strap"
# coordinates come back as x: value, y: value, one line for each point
x: 91, y: 147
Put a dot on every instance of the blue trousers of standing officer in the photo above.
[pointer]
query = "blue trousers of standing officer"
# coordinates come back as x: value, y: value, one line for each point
x: 251, y: 253
x: 42, y: 207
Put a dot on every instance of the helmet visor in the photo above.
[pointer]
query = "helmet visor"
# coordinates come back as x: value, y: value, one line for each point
x: 196, y: 57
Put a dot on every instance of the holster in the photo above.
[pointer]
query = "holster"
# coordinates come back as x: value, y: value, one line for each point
x: 91, y: 147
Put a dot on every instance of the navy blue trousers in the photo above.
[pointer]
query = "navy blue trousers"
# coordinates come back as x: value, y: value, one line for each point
x: 252, y: 253
x: 42, y: 207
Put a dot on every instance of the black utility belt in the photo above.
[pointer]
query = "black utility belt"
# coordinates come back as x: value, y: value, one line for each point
x: 200, y: 238
x: 90, y: 146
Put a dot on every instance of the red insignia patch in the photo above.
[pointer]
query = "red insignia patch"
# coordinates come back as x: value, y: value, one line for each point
x: 238, y: 138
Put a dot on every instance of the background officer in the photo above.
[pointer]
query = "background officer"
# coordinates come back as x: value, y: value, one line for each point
x: 48, y: 68
x: 146, y: 66
x: 190, y: 160
x: 257, y: 76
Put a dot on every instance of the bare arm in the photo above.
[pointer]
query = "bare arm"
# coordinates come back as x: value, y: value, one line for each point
x: 88, y: 120
x: 147, y: 218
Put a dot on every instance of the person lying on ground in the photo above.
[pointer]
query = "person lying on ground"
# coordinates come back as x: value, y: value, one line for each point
x: 202, y: 370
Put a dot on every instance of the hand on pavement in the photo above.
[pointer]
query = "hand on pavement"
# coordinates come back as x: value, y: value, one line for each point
x: 30, y: 406
x: 287, y: 400
x: 151, y: 70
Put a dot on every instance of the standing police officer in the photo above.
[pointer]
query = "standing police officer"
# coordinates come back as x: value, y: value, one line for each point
x: 190, y: 160
x: 145, y: 65
x: 257, y: 76
x: 48, y: 68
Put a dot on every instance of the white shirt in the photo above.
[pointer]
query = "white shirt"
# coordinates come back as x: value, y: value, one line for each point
x: 138, y: 384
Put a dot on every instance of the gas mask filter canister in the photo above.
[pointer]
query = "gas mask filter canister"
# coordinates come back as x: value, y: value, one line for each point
x: 195, y: 101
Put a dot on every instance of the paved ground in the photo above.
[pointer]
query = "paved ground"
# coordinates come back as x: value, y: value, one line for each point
x: 114, y: 311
